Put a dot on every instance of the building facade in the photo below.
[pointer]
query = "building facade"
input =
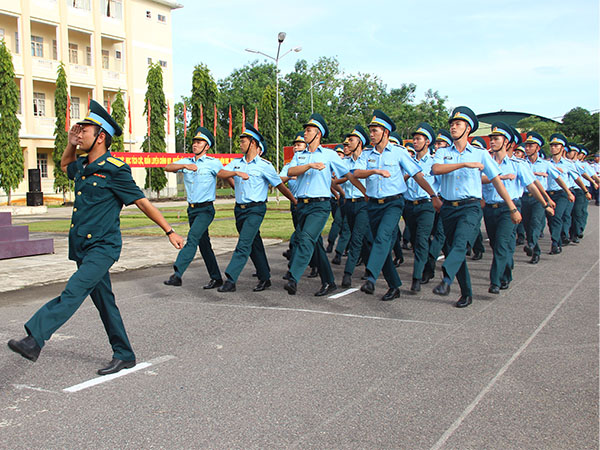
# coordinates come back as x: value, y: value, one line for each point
x: 105, y: 45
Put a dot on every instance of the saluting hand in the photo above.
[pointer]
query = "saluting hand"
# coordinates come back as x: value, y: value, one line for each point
x: 74, y: 135
x: 473, y: 165
x: 176, y: 240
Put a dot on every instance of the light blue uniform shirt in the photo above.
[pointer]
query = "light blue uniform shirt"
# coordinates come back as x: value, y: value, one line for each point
x: 464, y: 183
x: 292, y: 183
x: 543, y: 166
x: 584, y: 168
x: 524, y: 177
x: 416, y: 192
x: 396, y: 160
x: 525, y: 167
x: 350, y: 190
x: 201, y: 185
x: 317, y: 183
x: 261, y: 173
x: 569, y: 174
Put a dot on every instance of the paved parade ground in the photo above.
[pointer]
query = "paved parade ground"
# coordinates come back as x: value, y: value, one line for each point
x: 268, y: 370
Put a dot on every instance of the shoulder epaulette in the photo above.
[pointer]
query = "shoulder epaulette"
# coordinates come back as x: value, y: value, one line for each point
x: 117, y: 162
x: 266, y: 160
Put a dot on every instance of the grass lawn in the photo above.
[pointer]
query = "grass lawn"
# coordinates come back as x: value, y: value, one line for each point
x: 277, y: 223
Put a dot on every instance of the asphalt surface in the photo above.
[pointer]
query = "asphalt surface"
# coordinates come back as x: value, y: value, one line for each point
x: 269, y: 370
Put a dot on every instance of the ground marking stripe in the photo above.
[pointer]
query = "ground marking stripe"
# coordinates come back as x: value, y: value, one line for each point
x: 327, y: 313
x: 105, y: 378
x: 450, y: 431
x: 346, y: 292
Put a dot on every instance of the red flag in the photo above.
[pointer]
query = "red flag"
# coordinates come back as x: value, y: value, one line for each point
x: 215, y: 124
x: 88, y: 101
x: 243, y: 119
x: 201, y: 116
x: 149, y: 110
x: 68, y: 114
x: 184, y: 120
x: 230, y: 124
x: 168, y: 118
x: 129, y: 112
x: 108, y: 106
x: 256, y: 118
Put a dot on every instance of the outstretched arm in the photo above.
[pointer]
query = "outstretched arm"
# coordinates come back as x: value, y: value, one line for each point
x: 155, y: 215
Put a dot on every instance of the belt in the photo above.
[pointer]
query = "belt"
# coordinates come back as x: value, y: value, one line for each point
x: 496, y: 205
x: 383, y: 200
x: 247, y: 205
x: 199, y: 205
x: 554, y: 192
x: 419, y: 202
x: 357, y: 199
x: 466, y: 201
x: 313, y: 199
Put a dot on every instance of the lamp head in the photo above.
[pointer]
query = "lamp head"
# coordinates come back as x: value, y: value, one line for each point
x: 281, y: 36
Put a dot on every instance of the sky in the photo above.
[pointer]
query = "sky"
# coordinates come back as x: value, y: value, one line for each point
x: 534, y: 56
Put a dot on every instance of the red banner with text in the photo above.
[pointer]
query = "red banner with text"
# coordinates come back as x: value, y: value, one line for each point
x: 162, y: 159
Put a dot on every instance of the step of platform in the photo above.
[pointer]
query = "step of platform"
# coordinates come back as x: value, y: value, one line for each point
x: 14, y: 233
x: 14, y: 249
x: 5, y: 219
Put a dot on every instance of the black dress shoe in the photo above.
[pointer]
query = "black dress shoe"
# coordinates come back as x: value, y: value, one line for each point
x: 291, y: 287
x: 442, y: 289
x: 415, y: 286
x: 174, y: 280
x: 345, y: 253
x: 555, y: 250
x: 520, y: 240
x: 427, y: 276
x: 527, y: 250
x: 575, y: 240
x: 228, y: 286
x: 26, y: 347
x: 262, y: 285
x: 314, y: 273
x: 368, y: 287
x: 504, y: 284
x: 535, y: 259
x: 494, y: 289
x: 365, y: 276
x: 287, y: 254
x: 337, y: 259
x: 399, y: 260
x: 464, y: 301
x: 329, y: 248
x: 213, y: 284
x: 477, y: 256
x: 287, y: 275
x: 391, y: 294
x: 347, y: 280
x: 565, y: 241
x: 115, y: 366
x: 326, y: 288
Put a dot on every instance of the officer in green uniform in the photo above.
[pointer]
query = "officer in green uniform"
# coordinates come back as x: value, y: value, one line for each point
x: 419, y: 213
x: 200, y: 178
x: 252, y: 176
x: 103, y: 184
x: 460, y: 167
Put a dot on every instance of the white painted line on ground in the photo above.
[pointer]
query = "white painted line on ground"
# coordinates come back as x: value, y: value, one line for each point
x: 346, y: 292
x: 450, y: 431
x: 105, y: 378
x: 326, y: 313
x: 33, y: 388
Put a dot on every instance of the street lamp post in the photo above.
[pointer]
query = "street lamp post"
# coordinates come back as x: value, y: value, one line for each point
x: 280, y: 39
x: 312, y: 86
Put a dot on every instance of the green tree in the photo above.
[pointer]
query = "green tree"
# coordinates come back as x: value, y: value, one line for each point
x: 12, y: 163
x: 205, y: 93
x: 118, y: 113
x: 578, y: 125
x: 61, y: 180
x: 179, y: 131
x: 155, y: 143
x: 266, y: 111
x: 544, y: 127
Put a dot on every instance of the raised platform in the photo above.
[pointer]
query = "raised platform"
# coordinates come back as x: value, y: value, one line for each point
x: 24, y: 210
x: 14, y: 240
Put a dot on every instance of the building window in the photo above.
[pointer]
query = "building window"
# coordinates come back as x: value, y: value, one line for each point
x: 16, y: 42
x: 162, y: 63
x: 106, y: 106
x: 42, y: 164
x: 19, y: 105
x: 148, y: 15
x: 39, y: 104
x: 117, y: 54
x: 37, y: 46
x: 105, y: 59
x: 75, y: 114
x: 162, y: 18
x: 80, y: 4
x: 73, y: 59
x: 112, y: 8
x: 54, y: 50
x: 149, y: 61
x: 88, y: 56
x: 1, y: 33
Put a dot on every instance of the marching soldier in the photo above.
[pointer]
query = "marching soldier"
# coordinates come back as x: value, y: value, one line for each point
x: 313, y: 167
x: 384, y: 167
x: 460, y: 167
x: 200, y: 179
x: 103, y: 184
x: 252, y: 176
x: 580, y: 206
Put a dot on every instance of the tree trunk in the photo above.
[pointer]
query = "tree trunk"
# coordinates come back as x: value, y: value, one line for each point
x: 8, y: 195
